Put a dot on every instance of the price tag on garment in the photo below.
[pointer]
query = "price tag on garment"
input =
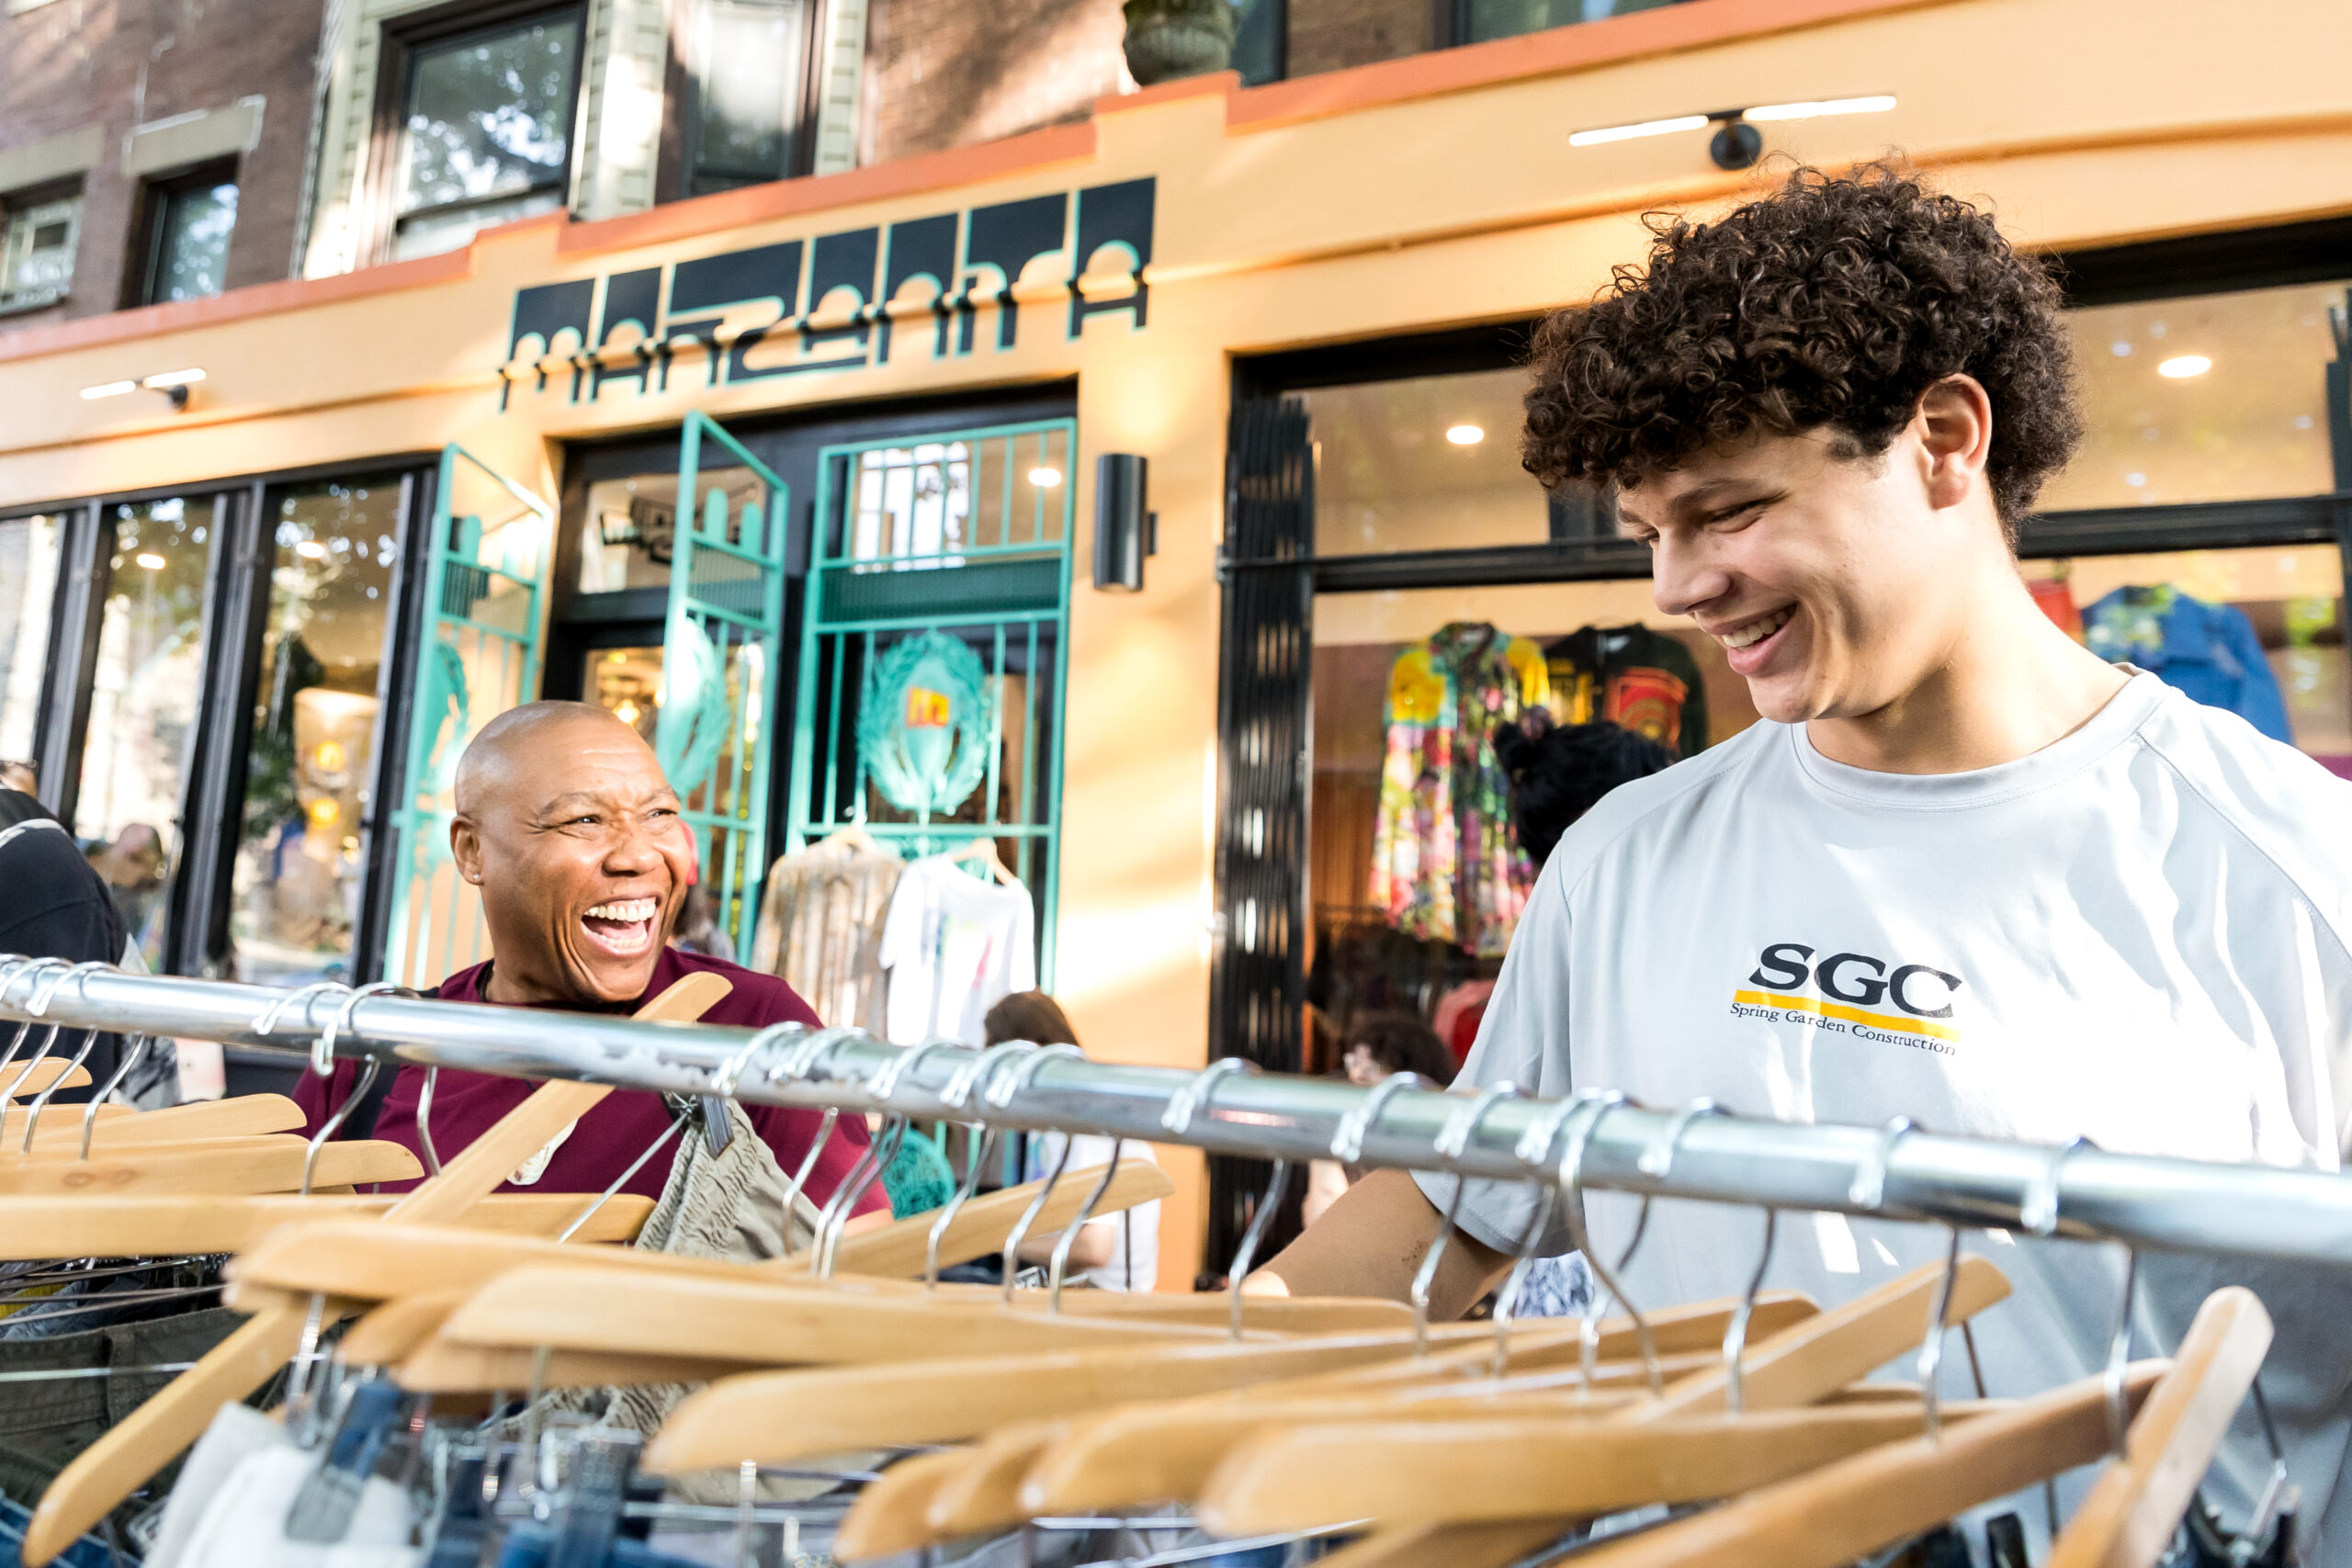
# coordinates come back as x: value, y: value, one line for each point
x: 527, y: 1174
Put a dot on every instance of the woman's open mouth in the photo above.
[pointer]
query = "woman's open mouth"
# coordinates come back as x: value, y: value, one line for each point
x: 1749, y: 645
x: 622, y: 928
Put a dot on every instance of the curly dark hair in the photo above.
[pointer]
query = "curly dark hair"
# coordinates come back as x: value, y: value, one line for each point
x: 1837, y: 301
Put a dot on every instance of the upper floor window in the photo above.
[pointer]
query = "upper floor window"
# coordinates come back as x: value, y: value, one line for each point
x: 485, y: 128
x: 38, y: 236
x: 748, y: 68
x: 1477, y: 21
x: 188, y: 223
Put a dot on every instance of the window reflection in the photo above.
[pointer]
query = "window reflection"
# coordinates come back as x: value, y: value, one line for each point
x: 143, y: 703
x: 2214, y: 397
x: 626, y: 683
x: 1477, y: 21
x: 1428, y: 463
x: 28, y: 547
x: 300, y: 870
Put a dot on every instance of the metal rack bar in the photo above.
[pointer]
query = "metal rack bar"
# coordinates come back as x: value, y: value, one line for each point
x: 2167, y: 1204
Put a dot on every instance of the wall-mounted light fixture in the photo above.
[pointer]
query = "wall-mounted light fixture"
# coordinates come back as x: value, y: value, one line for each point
x: 1737, y: 144
x: 1124, y: 531
x: 172, y: 384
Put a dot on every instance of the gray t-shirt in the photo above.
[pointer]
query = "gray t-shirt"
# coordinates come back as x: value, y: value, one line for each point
x: 2137, y: 934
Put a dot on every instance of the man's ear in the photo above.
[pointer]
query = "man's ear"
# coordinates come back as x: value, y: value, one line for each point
x: 465, y: 848
x: 1955, y: 425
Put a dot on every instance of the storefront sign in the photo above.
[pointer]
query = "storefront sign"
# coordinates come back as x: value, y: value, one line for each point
x: 628, y: 326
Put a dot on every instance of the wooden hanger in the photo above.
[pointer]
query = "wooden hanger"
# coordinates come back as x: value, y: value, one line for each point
x: 897, y: 1520
x: 2138, y: 1501
x: 25, y: 1082
x: 1288, y: 1478
x: 244, y: 1116
x: 774, y: 1418
x: 1853, y: 1506
x: 228, y: 1165
x: 1143, y: 1453
x: 983, y: 853
x: 150, y: 1437
x: 981, y: 1226
x: 852, y: 835
x: 34, y: 1228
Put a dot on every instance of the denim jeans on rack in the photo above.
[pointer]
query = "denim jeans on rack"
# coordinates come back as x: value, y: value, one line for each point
x: 88, y: 1552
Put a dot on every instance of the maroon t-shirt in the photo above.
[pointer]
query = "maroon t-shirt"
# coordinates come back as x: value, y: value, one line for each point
x: 622, y: 1125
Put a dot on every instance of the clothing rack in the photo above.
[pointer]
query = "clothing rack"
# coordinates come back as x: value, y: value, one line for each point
x: 1895, y: 1173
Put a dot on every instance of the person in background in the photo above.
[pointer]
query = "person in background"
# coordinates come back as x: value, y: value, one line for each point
x: 58, y: 907
x: 1117, y: 1252
x: 20, y: 777
x: 133, y: 867
x: 1379, y: 1046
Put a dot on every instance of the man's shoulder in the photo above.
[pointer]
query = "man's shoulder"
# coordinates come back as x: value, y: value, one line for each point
x: 2284, y: 804
x: 756, y: 999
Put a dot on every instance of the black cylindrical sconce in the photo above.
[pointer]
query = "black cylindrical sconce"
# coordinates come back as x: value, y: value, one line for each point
x: 1125, y: 532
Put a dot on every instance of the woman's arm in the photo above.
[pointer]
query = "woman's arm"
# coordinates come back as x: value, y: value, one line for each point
x: 1371, y: 1242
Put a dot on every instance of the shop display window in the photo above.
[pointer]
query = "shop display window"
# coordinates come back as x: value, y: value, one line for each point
x: 28, y: 553
x: 2259, y: 631
x: 626, y: 683
x: 1477, y: 21
x: 629, y: 535
x: 933, y: 504
x: 146, y: 691
x: 1431, y: 463
x: 301, y: 865
x: 2210, y: 397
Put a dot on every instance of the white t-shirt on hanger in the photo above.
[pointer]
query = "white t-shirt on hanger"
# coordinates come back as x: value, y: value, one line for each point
x: 954, y: 947
x: 2137, y: 935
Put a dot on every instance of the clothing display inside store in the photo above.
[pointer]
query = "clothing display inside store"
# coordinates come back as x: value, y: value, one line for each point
x: 508, y: 1393
x: 961, y: 935
x: 2210, y: 651
x: 1445, y: 863
x: 1630, y: 676
x: 821, y: 925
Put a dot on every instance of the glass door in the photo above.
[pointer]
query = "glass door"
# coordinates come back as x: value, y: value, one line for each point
x: 486, y: 577
x: 932, y: 649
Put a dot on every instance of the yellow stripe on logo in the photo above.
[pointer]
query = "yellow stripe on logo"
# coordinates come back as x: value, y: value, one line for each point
x: 1920, y: 1026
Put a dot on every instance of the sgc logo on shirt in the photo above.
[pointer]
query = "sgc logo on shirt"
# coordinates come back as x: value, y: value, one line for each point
x: 1839, y: 994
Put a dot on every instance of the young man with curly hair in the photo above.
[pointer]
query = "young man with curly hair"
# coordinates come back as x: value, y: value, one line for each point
x: 1965, y: 872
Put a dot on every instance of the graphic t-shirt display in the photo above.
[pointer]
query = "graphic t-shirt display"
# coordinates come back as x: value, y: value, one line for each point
x: 954, y: 947
x: 2210, y: 651
x: 1642, y: 679
x: 2137, y: 935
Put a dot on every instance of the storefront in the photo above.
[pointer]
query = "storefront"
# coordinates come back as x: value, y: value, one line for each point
x: 816, y: 462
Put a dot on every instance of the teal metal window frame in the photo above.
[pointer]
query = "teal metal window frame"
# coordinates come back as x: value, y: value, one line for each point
x: 842, y: 808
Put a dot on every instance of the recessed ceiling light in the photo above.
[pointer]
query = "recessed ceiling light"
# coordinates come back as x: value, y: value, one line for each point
x: 163, y: 380
x: 109, y: 389
x: 1465, y: 435
x: 2181, y: 367
x: 1045, y: 479
x: 149, y: 559
x: 1629, y: 132
x: 313, y: 548
x: 1815, y: 108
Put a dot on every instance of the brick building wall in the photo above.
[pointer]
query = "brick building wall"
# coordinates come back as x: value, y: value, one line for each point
x: 123, y: 92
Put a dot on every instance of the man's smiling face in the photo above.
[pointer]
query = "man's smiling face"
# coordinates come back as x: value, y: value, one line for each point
x: 1816, y: 570
x: 572, y: 832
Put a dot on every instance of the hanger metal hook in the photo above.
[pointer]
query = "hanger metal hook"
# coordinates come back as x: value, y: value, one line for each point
x: 879, y: 1152
x: 796, y: 1067
x: 44, y: 992
x: 1252, y: 1238
x: 1452, y: 1142
x: 265, y: 1022
x: 134, y: 1051
x: 1572, y: 1185
x: 1061, y: 1264
x: 1869, y: 1188
x: 2039, y: 1213
x: 955, y: 1097
x: 1002, y: 1094
x: 80, y: 974
x: 1534, y: 1151
x: 19, y: 968
x: 1657, y: 1162
x: 1195, y: 1095
x: 1347, y: 1140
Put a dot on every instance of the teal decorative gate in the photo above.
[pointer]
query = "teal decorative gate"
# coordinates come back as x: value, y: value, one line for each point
x: 932, y: 653
x: 720, y: 654
x: 486, y: 577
